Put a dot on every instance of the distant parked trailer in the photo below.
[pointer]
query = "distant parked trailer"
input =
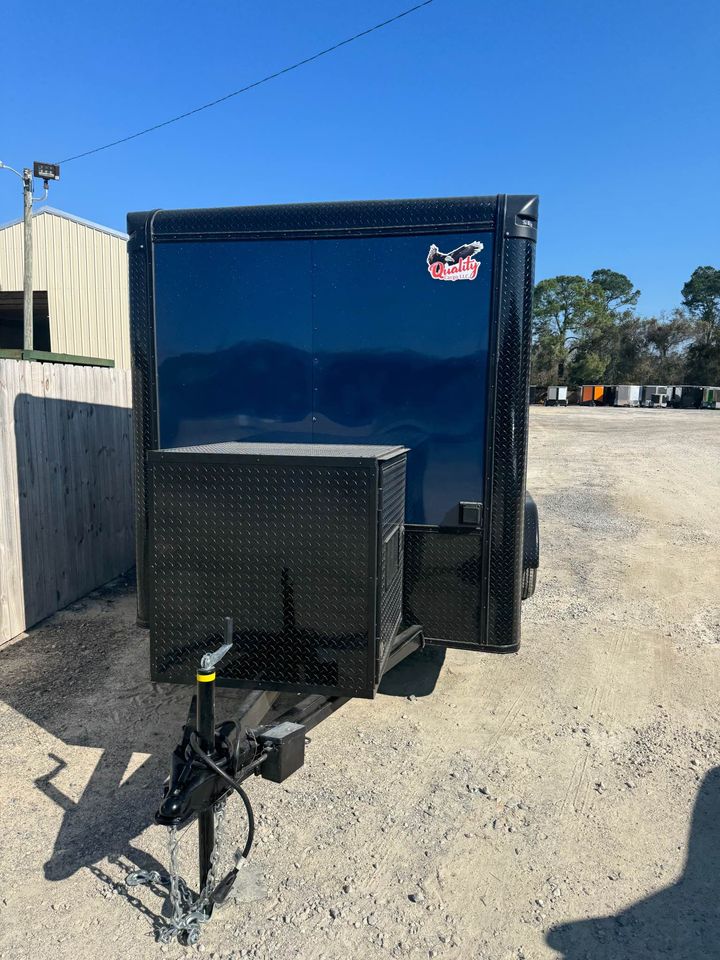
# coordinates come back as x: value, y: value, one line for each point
x: 685, y: 397
x: 556, y: 397
x: 674, y: 395
x: 592, y: 394
x: 609, y: 395
x: 627, y: 395
x: 711, y: 398
x: 597, y: 395
x: 654, y: 396
x: 537, y: 394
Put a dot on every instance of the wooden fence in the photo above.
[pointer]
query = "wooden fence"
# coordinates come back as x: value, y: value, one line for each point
x: 66, y: 498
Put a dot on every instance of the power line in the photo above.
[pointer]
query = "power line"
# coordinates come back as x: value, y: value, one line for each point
x: 251, y: 86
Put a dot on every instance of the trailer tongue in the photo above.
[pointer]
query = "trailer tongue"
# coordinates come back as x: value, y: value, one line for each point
x: 266, y: 739
x: 330, y: 471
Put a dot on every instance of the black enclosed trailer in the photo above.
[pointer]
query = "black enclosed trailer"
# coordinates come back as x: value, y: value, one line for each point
x: 685, y: 397
x: 537, y: 394
x: 331, y: 416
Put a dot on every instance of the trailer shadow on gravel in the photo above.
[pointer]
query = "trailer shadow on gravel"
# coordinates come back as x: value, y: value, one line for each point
x: 81, y: 676
x: 681, y: 922
x: 416, y: 676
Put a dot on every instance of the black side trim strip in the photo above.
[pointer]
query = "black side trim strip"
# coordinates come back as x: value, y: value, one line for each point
x: 507, y: 450
x: 142, y: 343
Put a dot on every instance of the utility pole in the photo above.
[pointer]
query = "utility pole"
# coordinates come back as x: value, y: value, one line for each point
x: 27, y: 259
x: 45, y: 172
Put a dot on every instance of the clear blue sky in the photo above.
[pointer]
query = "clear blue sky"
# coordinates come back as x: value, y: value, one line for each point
x: 608, y: 110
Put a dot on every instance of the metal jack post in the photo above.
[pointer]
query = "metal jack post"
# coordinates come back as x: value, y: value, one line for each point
x: 205, y: 723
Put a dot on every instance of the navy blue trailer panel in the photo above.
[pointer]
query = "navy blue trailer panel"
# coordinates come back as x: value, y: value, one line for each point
x: 330, y: 341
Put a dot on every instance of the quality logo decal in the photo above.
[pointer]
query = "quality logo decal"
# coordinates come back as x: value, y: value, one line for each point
x: 459, y: 264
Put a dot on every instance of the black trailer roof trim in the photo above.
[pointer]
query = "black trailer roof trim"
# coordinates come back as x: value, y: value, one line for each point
x: 336, y: 218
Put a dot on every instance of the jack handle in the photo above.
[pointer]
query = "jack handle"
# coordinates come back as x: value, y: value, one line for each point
x: 211, y: 660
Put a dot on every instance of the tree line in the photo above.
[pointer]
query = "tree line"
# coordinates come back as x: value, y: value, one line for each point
x: 588, y: 331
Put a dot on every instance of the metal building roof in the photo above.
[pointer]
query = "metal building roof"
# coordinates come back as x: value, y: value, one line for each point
x: 69, y: 216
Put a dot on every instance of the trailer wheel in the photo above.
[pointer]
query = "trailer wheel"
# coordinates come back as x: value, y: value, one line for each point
x: 531, y: 548
x: 529, y: 581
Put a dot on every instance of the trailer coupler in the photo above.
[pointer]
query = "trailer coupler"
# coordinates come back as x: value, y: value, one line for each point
x: 198, y: 780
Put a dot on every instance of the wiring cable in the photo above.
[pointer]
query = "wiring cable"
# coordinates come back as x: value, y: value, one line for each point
x: 251, y: 86
x: 235, y: 786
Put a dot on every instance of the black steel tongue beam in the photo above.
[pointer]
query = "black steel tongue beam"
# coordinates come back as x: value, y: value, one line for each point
x: 250, y: 743
x: 210, y: 762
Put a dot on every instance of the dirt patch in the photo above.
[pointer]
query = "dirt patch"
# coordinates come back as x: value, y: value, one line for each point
x: 564, y: 802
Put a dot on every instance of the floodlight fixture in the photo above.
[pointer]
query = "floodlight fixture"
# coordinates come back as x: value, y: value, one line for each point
x: 46, y: 171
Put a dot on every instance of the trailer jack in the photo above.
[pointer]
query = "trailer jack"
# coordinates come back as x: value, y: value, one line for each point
x: 210, y: 764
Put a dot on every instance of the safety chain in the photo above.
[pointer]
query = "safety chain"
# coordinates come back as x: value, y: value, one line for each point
x: 188, y: 912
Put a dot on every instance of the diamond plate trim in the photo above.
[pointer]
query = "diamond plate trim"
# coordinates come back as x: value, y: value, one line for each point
x: 442, y: 584
x: 392, y: 518
x: 144, y: 414
x: 373, y: 215
x: 288, y: 550
x: 505, y: 517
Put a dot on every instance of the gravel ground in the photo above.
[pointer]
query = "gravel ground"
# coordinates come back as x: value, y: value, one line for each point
x: 564, y: 802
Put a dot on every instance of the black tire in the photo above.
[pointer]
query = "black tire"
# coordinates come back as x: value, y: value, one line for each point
x: 529, y: 581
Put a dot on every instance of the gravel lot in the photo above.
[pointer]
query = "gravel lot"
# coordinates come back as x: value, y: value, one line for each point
x: 564, y: 802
